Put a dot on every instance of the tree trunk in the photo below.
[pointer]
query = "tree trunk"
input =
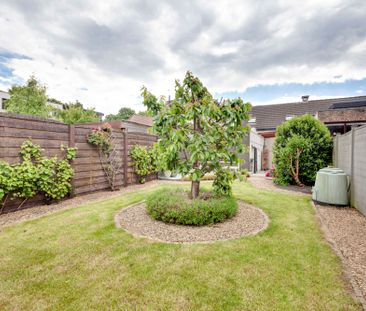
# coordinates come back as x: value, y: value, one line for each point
x: 296, y: 172
x: 195, y: 189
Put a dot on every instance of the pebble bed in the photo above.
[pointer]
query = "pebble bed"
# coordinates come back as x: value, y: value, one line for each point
x: 134, y: 219
x: 345, y: 230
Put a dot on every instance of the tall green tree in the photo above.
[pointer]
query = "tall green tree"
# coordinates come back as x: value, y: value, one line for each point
x: 123, y: 114
x: 196, y: 132
x: 144, y: 113
x: 30, y: 99
x: 303, y: 145
x: 75, y: 113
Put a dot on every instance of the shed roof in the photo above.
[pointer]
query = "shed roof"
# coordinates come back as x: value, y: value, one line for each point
x: 144, y: 120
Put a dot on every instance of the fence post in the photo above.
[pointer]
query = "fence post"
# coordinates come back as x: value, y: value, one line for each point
x: 125, y: 158
x: 352, y: 165
x: 71, y: 135
x: 72, y: 144
x: 335, y: 151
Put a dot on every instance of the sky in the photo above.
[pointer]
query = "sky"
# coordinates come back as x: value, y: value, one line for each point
x: 102, y: 52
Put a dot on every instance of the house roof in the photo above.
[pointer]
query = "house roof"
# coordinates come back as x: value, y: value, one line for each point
x: 144, y: 120
x: 268, y: 117
x: 355, y: 104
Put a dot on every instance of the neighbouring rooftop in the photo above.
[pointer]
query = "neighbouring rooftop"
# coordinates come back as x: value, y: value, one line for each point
x: 144, y: 120
x: 268, y: 117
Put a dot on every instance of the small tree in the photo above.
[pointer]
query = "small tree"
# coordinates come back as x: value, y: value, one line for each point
x: 30, y: 99
x: 123, y: 114
x: 75, y: 113
x: 196, y: 132
x: 303, y: 145
x: 144, y: 113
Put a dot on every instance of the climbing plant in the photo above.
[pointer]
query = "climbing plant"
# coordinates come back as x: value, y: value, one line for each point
x: 110, y: 157
x: 101, y: 137
x: 36, y: 174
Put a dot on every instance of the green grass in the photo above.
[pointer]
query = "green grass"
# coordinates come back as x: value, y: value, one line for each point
x: 77, y: 260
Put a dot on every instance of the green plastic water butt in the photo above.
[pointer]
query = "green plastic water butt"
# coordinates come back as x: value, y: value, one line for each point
x: 331, y: 187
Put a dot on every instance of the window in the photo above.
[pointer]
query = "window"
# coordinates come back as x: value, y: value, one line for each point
x: 289, y: 117
x: 252, y: 121
x: 3, y: 100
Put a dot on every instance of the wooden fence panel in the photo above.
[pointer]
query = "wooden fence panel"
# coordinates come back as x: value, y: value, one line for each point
x: 89, y: 175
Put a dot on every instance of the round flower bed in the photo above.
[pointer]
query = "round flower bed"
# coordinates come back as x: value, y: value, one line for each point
x: 174, y: 206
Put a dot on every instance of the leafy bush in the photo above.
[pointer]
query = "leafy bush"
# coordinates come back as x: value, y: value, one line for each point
x: 174, y: 206
x: 145, y: 161
x: 303, y: 145
x: 6, y: 179
x: 141, y: 161
x: 222, y: 183
x: 244, y: 172
x: 75, y: 113
x: 36, y: 174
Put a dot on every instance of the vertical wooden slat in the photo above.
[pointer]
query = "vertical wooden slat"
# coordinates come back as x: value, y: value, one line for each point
x: 125, y: 158
x: 71, y: 135
x: 72, y: 144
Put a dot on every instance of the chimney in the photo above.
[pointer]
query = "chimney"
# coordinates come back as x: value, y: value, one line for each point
x: 305, y: 98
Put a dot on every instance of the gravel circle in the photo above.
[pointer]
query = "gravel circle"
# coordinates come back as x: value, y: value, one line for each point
x: 249, y: 220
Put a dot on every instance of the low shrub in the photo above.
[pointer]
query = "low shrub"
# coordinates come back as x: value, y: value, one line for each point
x: 222, y: 183
x: 174, y: 206
x: 145, y: 161
x: 36, y: 174
x: 245, y: 173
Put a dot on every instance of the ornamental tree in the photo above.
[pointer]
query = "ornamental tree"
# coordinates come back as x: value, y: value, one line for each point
x: 28, y: 99
x: 197, y: 133
x: 123, y: 114
x: 303, y: 145
x: 75, y: 113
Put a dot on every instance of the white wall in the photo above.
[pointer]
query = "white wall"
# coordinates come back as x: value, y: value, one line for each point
x: 3, y: 95
x: 257, y: 141
x: 268, y: 145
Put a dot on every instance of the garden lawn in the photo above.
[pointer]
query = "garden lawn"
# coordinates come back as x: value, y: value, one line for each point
x: 78, y: 260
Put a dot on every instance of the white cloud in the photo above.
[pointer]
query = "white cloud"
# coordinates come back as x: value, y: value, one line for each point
x: 292, y: 99
x: 113, y: 48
